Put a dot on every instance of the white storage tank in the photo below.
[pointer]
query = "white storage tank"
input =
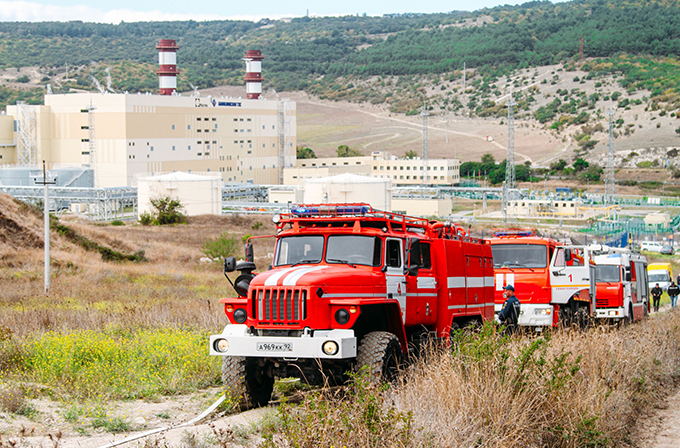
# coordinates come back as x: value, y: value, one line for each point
x: 199, y: 194
x: 349, y: 188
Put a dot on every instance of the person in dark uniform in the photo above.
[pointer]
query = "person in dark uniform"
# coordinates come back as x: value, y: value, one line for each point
x: 656, y: 297
x: 509, y: 314
x: 673, y: 293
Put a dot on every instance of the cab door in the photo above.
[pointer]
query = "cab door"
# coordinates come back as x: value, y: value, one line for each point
x: 421, y: 285
x: 395, y: 279
x: 569, y: 272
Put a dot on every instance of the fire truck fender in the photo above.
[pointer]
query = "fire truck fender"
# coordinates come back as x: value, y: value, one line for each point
x: 396, y: 324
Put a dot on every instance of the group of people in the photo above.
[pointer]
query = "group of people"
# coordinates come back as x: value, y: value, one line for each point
x: 673, y: 293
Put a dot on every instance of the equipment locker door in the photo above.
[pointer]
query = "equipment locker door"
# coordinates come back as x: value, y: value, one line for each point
x: 569, y: 272
x: 394, y: 273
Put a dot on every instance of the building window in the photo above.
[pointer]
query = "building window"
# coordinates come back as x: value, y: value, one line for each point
x: 198, y: 130
x: 375, y: 168
x: 152, y: 148
x: 173, y: 127
x: 388, y: 168
x: 199, y: 153
x: 214, y: 119
x: 189, y: 147
x: 198, y: 118
x: 235, y: 119
x: 189, y: 127
x: 263, y: 145
x: 401, y: 168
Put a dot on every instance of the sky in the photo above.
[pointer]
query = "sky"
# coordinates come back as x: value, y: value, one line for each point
x: 162, y: 10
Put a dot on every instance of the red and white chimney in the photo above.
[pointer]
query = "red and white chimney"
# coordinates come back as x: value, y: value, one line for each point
x: 253, y: 76
x: 167, y: 66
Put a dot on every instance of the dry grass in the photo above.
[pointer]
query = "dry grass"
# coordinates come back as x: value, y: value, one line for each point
x: 572, y: 389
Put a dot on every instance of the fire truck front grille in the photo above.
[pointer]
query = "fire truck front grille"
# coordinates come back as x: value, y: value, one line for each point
x: 602, y: 302
x: 279, y: 306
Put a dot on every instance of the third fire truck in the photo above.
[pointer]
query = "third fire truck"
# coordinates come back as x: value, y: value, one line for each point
x: 619, y: 284
x: 551, y: 279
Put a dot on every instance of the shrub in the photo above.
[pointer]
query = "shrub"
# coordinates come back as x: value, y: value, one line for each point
x: 117, y: 222
x: 221, y: 247
x: 146, y: 219
x: 257, y: 226
x: 167, y: 210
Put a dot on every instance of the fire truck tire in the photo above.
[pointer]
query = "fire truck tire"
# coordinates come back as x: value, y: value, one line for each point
x: 645, y: 309
x: 379, y: 355
x: 629, y: 318
x: 246, y: 381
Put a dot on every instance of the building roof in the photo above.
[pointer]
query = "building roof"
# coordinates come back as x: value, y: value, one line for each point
x: 180, y: 176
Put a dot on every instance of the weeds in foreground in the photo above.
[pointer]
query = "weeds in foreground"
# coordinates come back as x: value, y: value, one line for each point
x: 355, y: 417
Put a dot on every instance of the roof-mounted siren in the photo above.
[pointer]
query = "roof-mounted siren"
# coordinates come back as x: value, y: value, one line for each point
x: 253, y: 76
x: 167, y: 66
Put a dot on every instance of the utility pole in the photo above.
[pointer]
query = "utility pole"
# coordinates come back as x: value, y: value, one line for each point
x: 46, y: 209
x: 509, y: 183
x: 425, y: 114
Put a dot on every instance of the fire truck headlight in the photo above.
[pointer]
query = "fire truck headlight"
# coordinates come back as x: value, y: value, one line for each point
x: 330, y: 348
x: 543, y: 311
x: 240, y: 315
x: 276, y: 219
x: 342, y: 316
x: 612, y: 313
x: 221, y: 345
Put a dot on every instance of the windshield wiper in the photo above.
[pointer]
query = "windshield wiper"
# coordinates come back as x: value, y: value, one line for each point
x: 304, y: 262
x: 519, y: 265
x: 335, y: 260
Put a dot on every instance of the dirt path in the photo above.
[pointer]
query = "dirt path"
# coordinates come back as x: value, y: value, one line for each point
x: 663, y: 429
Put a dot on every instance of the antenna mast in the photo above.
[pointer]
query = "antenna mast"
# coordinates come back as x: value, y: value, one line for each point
x: 610, y: 184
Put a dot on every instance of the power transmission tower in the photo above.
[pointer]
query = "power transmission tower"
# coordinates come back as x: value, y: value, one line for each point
x: 284, y: 135
x: 27, y: 153
x: 509, y: 184
x: 425, y: 114
x: 610, y: 183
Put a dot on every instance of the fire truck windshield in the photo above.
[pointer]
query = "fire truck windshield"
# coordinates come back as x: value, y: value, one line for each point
x: 354, y: 249
x: 607, y: 274
x: 299, y: 249
x: 519, y: 256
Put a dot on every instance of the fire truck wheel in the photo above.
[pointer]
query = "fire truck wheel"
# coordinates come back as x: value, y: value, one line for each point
x: 246, y: 381
x: 380, y: 352
x: 645, y: 309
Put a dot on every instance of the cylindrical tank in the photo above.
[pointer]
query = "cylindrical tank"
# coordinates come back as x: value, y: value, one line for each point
x: 253, y: 76
x: 349, y: 188
x: 167, y: 66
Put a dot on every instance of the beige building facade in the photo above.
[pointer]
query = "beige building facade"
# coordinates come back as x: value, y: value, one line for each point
x: 379, y: 164
x: 149, y: 134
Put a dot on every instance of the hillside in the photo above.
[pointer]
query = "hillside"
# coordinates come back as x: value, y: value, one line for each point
x: 389, y: 67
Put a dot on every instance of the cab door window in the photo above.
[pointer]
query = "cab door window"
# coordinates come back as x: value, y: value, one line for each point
x: 393, y: 258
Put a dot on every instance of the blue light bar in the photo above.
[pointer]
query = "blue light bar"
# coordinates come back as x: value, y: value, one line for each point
x: 330, y: 211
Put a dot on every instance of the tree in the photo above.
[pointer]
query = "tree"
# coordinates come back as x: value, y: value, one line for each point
x: 167, y: 211
x: 346, y: 151
x: 410, y: 154
x: 593, y: 173
x: 580, y: 164
x: 559, y: 165
x: 488, y: 158
x: 305, y: 153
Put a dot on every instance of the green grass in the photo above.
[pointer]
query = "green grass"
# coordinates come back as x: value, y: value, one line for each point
x: 116, y: 364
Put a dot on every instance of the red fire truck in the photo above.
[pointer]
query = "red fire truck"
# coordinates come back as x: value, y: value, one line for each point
x: 619, y: 284
x: 551, y: 280
x: 349, y: 287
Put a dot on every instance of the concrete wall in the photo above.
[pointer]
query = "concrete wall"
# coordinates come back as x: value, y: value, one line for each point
x: 200, y: 195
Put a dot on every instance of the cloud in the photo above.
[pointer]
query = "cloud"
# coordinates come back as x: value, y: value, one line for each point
x: 21, y: 11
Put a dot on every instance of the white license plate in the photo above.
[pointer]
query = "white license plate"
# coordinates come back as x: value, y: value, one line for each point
x: 274, y: 347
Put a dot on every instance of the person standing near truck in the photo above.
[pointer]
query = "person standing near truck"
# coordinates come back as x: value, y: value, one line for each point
x: 656, y: 297
x: 673, y: 292
x: 509, y: 314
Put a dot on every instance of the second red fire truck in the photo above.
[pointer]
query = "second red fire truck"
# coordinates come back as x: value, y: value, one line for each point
x: 551, y: 279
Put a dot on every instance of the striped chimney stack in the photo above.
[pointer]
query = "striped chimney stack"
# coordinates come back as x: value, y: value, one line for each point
x: 253, y: 76
x: 167, y: 66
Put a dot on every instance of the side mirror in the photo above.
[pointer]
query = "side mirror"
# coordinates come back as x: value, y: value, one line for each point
x: 567, y: 254
x: 229, y: 264
x: 628, y: 277
x: 250, y: 256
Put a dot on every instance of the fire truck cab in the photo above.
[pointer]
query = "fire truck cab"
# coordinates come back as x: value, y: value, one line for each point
x: 551, y: 279
x: 619, y: 284
x: 349, y: 287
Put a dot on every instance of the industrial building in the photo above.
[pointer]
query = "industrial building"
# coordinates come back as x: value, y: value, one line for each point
x: 379, y: 164
x: 123, y: 136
